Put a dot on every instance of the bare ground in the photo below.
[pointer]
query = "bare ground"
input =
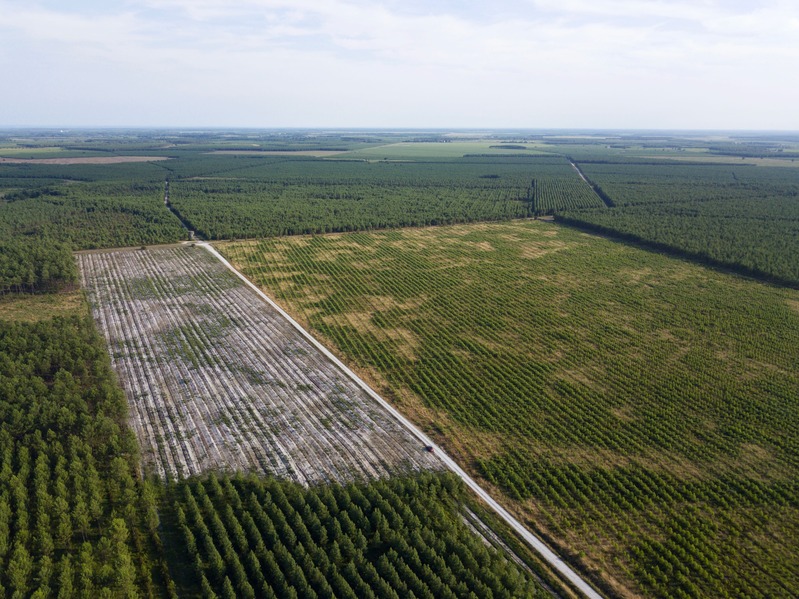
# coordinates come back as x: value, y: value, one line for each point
x: 217, y: 379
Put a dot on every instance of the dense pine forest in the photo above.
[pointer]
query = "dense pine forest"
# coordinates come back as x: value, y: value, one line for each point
x: 74, y: 512
x: 743, y: 217
x: 699, y: 500
x: 403, y: 537
x: 35, y: 266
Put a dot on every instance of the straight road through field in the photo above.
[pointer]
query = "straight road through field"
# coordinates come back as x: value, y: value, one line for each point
x: 605, y: 199
x: 537, y: 544
x: 579, y: 172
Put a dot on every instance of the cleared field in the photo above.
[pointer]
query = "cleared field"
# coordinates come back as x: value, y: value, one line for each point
x: 437, y: 150
x: 639, y: 411
x: 217, y: 379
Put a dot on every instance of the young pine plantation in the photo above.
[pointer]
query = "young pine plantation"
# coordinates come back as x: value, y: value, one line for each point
x: 637, y: 410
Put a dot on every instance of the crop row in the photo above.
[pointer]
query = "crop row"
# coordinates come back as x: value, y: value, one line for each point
x: 590, y: 381
x: 218, y: 379
x: 396, y: 538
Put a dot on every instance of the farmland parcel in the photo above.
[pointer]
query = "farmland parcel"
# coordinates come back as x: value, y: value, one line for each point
x: 639, y: 410
x: 216, y: 379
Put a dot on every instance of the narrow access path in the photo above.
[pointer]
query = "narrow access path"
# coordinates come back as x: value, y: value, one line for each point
x: 579, y: 172
x: 599, y: 193
x: 192, y: 234
x: 537, y: 544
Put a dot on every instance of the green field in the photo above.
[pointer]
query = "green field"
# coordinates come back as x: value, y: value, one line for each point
x: 742, y: 217
x: 444, y: 149
x: 636, y: 410
x: 639, y: 410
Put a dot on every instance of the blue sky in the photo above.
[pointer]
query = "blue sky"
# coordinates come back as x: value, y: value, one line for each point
x: 698, y: 64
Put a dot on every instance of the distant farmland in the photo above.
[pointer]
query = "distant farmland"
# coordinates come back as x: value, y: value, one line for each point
x: 639, y: 413
x: 217, y: 379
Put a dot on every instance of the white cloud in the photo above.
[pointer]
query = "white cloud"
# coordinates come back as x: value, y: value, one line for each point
x: 540, y: 63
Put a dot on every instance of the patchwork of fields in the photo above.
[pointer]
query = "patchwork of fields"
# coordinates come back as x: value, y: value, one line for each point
x: 636, y: 410
x: 218, y: 380
x: 639, y: 410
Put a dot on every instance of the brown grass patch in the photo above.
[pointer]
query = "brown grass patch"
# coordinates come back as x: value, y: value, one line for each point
x: 387, y: 302
x: 582, y: 376
x: 21, y: 307
x: 635, y: 275
x: 510, y: 237
x: 309, y: 298
x: 756, y: 462
x: 485, y: 246
x: 332, y: 254
x: 537, y: 249
x: 623, y: 413
x: 406, y: 341
x: 461, y: 230
x: 793, y: 305
x: 667, y: 335
x: 315, y: 153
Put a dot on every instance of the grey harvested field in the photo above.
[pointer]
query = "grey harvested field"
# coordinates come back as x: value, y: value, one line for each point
x: 217, y: 379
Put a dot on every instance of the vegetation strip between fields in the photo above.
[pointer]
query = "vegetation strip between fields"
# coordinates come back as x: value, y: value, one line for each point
x: 537, y: 544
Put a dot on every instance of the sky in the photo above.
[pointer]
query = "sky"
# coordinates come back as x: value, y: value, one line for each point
x: 598, y: 64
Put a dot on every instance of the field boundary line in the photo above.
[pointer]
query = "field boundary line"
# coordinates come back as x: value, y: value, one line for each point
x: 606, y: 199
x: 537, y: 544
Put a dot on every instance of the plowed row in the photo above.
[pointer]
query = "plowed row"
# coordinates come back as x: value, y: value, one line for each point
x: 216, y: 379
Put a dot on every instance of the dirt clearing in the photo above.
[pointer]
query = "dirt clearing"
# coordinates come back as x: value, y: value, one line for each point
x: 217, y: 379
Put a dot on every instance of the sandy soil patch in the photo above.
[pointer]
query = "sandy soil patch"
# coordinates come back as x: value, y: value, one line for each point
x: 315, y: 153
x: 217, y: 379
x: 534, y: 249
